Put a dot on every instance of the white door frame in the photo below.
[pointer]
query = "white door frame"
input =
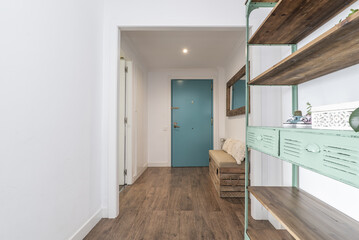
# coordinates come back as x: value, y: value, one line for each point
x: 111, y: 123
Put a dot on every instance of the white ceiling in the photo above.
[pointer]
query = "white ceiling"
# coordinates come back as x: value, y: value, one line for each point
x: 163, y: 49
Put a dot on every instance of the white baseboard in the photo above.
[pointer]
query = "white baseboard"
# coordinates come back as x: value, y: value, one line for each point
x: 139, y: 173
x: 159, y: 164
x: 104, y: 212
x: 88, y: 225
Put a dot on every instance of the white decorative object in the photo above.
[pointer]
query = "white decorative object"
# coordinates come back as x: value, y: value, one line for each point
x: 334, y: 116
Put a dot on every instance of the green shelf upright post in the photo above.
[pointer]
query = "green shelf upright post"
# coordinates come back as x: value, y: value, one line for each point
x: 249, y: 8
x: 295, y: 168
x: 246, y: 194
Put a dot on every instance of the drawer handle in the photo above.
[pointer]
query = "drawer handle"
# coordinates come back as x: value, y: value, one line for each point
x: 313, y: 148
x: 259, y: 138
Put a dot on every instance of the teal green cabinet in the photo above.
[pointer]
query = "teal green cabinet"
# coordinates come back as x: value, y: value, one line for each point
x: 265, y: 140
x: 335, y: 155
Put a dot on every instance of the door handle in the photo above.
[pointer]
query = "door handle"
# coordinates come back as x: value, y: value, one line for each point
x: 175, y: 125
x: 313, y: 148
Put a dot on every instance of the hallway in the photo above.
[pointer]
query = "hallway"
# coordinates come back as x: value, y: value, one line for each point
x: 174, y: 203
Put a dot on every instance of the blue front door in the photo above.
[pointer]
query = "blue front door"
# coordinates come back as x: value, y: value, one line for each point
x: 192, y: 133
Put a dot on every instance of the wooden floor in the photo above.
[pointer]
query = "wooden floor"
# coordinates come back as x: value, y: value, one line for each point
x: 175, y: 203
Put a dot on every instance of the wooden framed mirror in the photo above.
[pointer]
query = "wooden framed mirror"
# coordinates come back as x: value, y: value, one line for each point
x: 236, y: 94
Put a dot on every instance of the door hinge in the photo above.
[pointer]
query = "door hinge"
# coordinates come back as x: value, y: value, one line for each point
x: 211, y: 121
x: 125, y: 120
x: 125, y: 172
x: 126, y: 69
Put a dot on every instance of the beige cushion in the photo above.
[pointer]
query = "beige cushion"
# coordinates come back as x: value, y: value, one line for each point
x: 237, y: 151
x: 230, y: 146
x: 222, y: 159
x: 226, y: 144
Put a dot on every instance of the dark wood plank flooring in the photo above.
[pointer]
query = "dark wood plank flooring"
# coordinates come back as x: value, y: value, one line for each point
x: 175, y: 203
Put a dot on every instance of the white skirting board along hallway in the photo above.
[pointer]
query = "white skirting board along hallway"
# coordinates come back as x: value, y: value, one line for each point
x: 99, y: 214
x: 89, y: 224
x: 160, y: 164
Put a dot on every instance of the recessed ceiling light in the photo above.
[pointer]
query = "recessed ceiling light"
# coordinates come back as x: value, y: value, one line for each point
x: 185, y: 50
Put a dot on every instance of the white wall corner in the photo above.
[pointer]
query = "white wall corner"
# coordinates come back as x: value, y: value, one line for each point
x: 89, y: 225
x: 143, y: 169
x: 104, y: 212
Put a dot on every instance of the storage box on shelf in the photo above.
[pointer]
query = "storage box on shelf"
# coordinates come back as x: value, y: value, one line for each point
x: 333, y: 153
x: 335, y: 116
x: 263, y: 139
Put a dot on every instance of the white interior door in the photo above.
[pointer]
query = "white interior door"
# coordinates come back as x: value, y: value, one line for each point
x: 129, y: 126
x: 121, y: 121
x: 125, y: 127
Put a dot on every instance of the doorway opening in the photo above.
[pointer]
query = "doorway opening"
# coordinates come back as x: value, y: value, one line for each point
x: 142, y: 135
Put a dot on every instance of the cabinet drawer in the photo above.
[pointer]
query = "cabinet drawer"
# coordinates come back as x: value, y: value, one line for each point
x: 264, y: 140
x: 335, y: 156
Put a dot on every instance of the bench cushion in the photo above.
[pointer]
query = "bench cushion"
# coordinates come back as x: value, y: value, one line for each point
x: 223, y: 159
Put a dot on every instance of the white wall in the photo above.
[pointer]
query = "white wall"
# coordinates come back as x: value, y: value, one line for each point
x: 235, y: 127
x: 159, y: 110
x: 50, y: 124
x: 138, y: 124
x: 338, y: 87
x: 176, y: 13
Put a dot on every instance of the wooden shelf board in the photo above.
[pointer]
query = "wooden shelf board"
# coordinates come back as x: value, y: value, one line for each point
x: 270, y: 234
x: 334, y: 50
x: 262, y: 1
x: 291, y: 21
x: 304, y: 216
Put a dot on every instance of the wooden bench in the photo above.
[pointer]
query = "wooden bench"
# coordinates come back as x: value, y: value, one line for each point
x: 227, y: 176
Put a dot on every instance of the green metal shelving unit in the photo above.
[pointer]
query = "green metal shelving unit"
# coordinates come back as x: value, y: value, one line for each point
x: 249, y: 8
x: 336, y: 153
